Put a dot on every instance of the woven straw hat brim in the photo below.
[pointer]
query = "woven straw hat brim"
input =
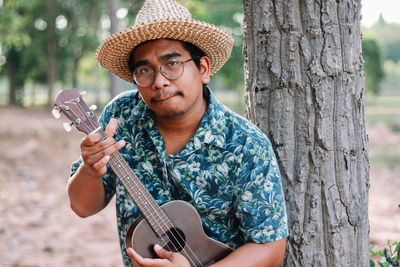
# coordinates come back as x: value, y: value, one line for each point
x: 114, y: 52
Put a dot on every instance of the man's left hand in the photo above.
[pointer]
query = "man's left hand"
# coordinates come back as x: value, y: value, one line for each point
x: 167, y: 259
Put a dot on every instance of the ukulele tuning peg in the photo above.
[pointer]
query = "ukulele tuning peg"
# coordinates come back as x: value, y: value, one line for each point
x: 67, y: 126
x: 83, y: 93
x: 56, y: 113
x: 93, y: 107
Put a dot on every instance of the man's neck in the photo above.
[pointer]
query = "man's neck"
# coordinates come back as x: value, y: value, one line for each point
x: 178, y: 131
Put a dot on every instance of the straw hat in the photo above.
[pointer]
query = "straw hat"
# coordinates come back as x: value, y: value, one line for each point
x: 158, y: 19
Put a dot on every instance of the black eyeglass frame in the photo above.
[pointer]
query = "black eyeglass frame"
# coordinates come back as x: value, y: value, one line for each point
x: 161, y: 71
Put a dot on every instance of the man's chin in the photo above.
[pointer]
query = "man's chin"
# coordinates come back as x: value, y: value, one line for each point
x: 172, y: 115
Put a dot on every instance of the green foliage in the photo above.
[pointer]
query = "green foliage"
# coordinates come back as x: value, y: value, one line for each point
x: 20, y: 46
x: 228, y: 15
x: 390, y: 256
x: 373, y: 67
x: 389, y: 35
x: 392, y: 74
x: 28, y: 28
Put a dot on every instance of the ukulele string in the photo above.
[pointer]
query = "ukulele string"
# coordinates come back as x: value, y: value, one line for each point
x: 155, y: 212
x: 152, y: 219
x: 168, y: 225
x: 177, y: 240
x: 146, y: 203
x: 88, y: 114
x: 184, y: 246
x: 85, y: 125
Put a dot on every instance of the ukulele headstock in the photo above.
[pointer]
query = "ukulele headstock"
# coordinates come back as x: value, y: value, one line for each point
x: 71, y: 104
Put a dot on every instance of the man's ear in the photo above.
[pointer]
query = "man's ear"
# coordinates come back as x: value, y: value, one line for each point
x: 205, y: 69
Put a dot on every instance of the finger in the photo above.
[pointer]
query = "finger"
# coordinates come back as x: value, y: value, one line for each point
x: 100, y: 165
x: 138, y: 260
x: 99, y: 150
x: 96, y: 154
x: 112, y: 127
x: 107, y: 147
x: 98, y: 168
x: 90, y: 147
x: 91, y: 139
x: 175, y: 258
x: 163, y: 253
x: 133, y: 255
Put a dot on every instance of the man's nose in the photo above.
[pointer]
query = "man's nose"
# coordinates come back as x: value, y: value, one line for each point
x: 160, y: 80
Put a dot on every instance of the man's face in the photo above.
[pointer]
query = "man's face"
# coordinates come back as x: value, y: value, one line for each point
x: 172, y: 99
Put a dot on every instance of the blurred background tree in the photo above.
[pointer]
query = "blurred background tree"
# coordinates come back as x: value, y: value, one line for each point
x: 21, y: 56
x: 381, y: 45
x: 373, y: 66
x: 50, y: 45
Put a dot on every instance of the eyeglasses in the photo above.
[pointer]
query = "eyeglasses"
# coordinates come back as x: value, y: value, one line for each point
x: 170, y: 69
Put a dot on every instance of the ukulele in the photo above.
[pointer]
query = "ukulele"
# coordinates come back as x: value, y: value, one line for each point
x: 175, y: 225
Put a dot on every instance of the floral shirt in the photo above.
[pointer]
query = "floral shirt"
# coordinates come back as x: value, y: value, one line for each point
x: 227, y: 171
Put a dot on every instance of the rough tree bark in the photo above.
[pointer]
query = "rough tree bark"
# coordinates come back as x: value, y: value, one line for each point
x: 305, y: 89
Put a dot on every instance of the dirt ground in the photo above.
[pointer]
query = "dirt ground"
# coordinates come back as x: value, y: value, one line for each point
x: 37, y: 227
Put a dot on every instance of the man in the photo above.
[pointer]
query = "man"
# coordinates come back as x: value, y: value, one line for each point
x: 181, y: 142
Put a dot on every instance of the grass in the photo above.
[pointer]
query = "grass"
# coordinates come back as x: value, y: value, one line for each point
x: 386, y: 110
x: 388, y: 119
x: 383, y: 109
x: 382, y: 101
x: 384, y: 156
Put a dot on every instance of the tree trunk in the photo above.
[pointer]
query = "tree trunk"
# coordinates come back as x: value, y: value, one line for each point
x: 94, y: 22
x: 13, y: 71
x: 12, y: 99
x: 33, y: 95
x: 305, y: 89
x: 75, y: 66
x: 51, y: 50
x: 77, y: 51
x: 115, y: 82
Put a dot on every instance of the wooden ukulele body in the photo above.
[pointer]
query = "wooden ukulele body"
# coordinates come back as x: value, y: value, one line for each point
x: 188, y: 226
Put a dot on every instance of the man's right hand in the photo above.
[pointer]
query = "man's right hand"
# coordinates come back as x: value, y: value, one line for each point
x: 96, y: 152
x: 85, y: 188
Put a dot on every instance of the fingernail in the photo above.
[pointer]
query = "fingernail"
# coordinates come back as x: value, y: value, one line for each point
x: 157, y: 247
x: 121, y: 143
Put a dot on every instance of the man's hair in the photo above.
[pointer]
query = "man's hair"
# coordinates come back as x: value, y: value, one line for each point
x: 195, y: 53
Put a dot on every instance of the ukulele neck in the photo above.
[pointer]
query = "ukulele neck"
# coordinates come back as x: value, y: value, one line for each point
x: 148, y: 207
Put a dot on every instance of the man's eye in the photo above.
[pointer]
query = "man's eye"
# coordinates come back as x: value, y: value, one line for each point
x: 144, y: 70
x: 171, y: 63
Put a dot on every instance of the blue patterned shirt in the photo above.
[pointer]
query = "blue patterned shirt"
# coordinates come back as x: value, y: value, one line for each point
x: 227, y: 171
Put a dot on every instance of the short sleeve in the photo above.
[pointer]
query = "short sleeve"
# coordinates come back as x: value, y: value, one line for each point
x: 260, y: 202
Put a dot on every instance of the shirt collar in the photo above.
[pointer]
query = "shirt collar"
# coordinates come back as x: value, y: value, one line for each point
x: 140, y: 110
x: 212, y: 129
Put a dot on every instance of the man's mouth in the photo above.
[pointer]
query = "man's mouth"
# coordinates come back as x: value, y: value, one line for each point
x: 162, y: 98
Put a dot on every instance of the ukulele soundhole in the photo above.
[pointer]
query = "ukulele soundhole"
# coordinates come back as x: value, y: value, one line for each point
x: 174, y: 240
